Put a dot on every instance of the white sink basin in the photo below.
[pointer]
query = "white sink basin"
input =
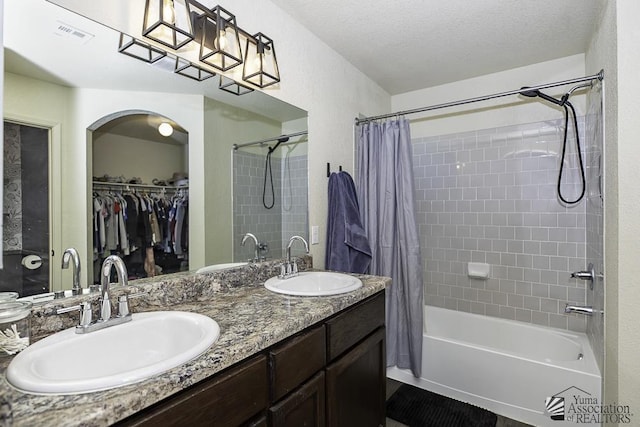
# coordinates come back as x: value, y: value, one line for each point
x: 216, y: 267
x: 314, y: 283
x: 70, y: 363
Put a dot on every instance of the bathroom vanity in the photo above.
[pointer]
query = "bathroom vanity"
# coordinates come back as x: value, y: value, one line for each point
x: 280, y: 360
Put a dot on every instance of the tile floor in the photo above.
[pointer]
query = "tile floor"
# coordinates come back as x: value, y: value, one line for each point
x: 393, y: 385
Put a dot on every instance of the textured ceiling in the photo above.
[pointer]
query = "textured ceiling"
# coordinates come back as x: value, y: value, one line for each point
x: 413, y: 44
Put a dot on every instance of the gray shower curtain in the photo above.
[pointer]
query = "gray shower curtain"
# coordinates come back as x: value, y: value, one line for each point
x: 387, y: 208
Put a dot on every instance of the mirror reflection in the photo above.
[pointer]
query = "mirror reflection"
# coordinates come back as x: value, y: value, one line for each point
x: 140, y: 195
x: 79, y: 94
x: 278, y: 209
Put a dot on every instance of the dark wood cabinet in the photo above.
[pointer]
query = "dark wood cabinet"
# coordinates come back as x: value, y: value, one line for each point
x: 295, y: 361
x: 305, y: 407
x: 230, y: 398
x: 331, y: 374
x: 356, y: 384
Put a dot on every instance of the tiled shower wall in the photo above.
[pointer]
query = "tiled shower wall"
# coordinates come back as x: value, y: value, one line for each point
x: 288, y: 216
x: 490, y: 196
x: 295, y: 206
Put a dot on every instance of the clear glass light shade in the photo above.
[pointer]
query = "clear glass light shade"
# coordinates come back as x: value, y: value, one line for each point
x: 168, y: 22
x: 260, y: 64
x: 219, y: 40
x: 189, y: 69
x: 139, y: 49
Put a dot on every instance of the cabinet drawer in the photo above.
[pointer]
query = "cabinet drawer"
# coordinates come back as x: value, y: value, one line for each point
x: 349, y: 327
x: 295, y: 361
x: 228, y: 399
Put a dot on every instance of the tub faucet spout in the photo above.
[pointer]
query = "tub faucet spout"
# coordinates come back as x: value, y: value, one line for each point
x: 586, y: 310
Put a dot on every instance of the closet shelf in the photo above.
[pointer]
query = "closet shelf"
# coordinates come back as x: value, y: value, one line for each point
x: 124, y: 185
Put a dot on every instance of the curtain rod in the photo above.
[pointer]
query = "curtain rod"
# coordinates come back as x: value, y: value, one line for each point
x: 284, y: 138
x: 598, y: 76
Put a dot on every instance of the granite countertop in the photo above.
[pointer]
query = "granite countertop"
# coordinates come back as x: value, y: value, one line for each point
x: 251, y: 319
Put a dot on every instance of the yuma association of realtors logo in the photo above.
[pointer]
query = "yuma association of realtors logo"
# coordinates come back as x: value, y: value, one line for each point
x: 576, y: 405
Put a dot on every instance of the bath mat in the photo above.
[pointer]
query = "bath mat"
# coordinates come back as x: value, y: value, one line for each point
x: 416, y: 407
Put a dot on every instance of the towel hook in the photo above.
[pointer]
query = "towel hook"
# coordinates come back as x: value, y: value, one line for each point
x: 329, y: 169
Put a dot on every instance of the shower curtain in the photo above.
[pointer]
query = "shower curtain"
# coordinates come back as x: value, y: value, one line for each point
x: 387, y: 209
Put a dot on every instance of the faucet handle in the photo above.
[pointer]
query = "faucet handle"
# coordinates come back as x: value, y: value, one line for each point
x: 85, y: 312
x: 123, y: 303
x: 123, y: 306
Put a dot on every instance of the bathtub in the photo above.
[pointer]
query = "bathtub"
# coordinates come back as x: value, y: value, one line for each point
x: 507, y: 367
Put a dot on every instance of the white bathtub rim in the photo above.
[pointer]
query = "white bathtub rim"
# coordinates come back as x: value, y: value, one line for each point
x: 587, y: 364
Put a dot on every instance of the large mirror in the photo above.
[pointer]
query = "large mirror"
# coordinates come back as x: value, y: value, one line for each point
x: 67, y: 91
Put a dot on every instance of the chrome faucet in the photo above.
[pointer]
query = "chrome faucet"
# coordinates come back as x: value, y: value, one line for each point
x: 290, y: 268
x: 72, y: 254
x: 256, y: 245
x: 105, y: 273
x: 105, y: 320
x: 586, y: 310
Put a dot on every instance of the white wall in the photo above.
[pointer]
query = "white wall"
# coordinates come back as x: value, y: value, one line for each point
x: 117, y: 155
x: 629, y: 203
x: 614, y: 48
x: 505, y: 111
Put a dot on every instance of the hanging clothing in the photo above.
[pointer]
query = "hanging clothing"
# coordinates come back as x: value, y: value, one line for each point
x: 348, y: 247
x: 137, y: 226
x: 387, y: 208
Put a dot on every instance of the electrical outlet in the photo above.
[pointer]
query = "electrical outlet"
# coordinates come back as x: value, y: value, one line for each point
x: 315, y: 230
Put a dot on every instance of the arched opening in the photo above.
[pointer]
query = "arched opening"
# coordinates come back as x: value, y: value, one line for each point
x: 139, y: 192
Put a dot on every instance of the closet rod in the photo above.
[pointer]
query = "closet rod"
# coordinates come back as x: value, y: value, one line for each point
x: 285, y: 138
x: 598, y: 76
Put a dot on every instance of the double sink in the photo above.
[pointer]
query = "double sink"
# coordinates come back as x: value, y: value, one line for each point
x: 152, y: 343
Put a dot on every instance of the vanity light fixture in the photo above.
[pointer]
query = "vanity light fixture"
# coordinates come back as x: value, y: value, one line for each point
x: 219, y: 39
x: 174, y: 23
x: 140, y: 50
x: 231, y: 86
x: 260, y: 65
x: 165, y: 129
x: 191, y: 70
x: 168, y: 22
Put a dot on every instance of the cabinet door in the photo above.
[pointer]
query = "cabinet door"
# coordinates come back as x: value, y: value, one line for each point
x: 303, y: 407
x: 356, y: 385
x: 227, y: 399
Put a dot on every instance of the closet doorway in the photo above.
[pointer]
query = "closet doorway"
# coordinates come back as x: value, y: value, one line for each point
x: 26, y: 209
x: 140, y: 194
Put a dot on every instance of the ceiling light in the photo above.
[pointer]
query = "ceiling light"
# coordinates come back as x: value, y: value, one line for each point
x: 139, y: 49
x: 165, y: 129
x: 260, y: 65
x: 168, y: 22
